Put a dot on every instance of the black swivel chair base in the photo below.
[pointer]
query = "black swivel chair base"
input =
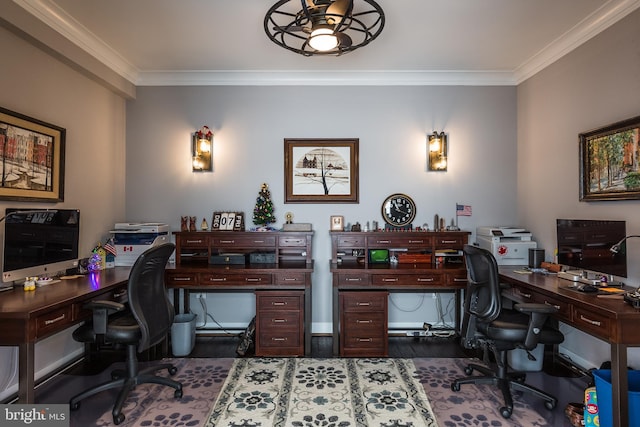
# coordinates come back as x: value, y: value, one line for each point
x: 505, y: 381
x: 127, y: 381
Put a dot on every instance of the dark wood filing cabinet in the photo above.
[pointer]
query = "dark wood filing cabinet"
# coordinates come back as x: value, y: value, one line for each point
x: 276, y: 266
x: 363, y: 277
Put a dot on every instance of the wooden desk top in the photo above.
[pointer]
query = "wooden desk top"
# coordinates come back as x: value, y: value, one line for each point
x: 611, y: 319
x: 20, y: 304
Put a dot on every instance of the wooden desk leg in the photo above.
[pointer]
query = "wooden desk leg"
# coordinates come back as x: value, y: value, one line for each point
x: 307, y: 321
x: 336, y: 317
x: 619, y: 385
x: 26, y: 373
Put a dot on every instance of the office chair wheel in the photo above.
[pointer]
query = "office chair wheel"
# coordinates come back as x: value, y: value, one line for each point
x: 75, y: 406
x: 177, y: 394
x: 455, y: 386
x: 506, y: 412
x: 172, y: 370
x: 550, y: 404
x: 468, y: 370
x: 117, y: 419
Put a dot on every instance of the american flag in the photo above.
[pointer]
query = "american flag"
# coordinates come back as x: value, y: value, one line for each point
x: 110, y: 247
x: 463, y: 210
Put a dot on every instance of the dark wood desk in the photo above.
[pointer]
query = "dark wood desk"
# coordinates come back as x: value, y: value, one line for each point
x: 27, y: 317
x: 611, y: 320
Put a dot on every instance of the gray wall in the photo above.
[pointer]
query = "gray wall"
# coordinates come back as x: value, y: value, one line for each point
x: 593, y: 86
x: 37, y: 85
x: 250, y: 124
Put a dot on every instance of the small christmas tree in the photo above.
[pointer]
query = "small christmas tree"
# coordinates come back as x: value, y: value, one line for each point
x: 263, y: 212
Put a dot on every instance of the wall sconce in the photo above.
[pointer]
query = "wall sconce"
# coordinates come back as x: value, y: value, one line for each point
x: 437, y: 151
x: 201, y: 148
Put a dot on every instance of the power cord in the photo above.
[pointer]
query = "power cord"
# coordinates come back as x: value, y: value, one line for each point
x: 207, y: 315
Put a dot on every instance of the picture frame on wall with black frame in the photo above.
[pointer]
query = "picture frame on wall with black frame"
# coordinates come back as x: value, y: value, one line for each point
x: 321, y: 170
x: 31, y: 158
x: 610, y: 162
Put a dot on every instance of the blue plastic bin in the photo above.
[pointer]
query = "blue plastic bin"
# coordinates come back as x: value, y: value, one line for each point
x: 602, y: 379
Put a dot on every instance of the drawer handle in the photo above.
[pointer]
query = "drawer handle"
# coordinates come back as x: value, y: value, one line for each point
x: 416, y: 241
x: 57, y: 319
x: 523, y: 294
x: 448, y: 242
x: 354, y: 279
x: 593, y: 322
x: 227, y: 241
x: 383, y: 241
x: 279, y: 303
x: 279, y: 321
x: 363, y: 304
x: 258, y: 241
x: 457, y: 279
x: 425, y: 279
x: 290, y: 279
x: 390, y: 279
x: 364, y: 321
x: 253, y: 279
x: 193, y: 241
x: 278, y: 339
x: 557, y: 307
x: 181, y: 279
x: 365, y: 339
x: 217, y: 279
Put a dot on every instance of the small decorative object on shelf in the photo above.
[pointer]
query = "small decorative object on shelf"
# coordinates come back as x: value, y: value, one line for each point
x: 227, y: 221
x: 192, y: 223
x: 184, y: 223
x: 263, y: 211
x: 289, y: 217
x: 337, y: 223
x: 203, y: 225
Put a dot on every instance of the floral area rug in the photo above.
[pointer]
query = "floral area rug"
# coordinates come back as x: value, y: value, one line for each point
x: 154, y: 405
x: 322, y: 392
x: 473, y: 405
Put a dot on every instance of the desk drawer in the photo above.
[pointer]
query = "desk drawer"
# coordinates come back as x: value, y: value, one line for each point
x: 181, y: 279
x: 260, y: 240
x: 355, y: 241
x: 208, y: 279
x: 450, y: 242
x: 564, y: 308
x: 54, y: 321
x: 273, y: 323
x: 592, y: 323
x: 353, y: 279
x: 280, y: 302
x: 391, y: 240
x: 194, y: 241
x: 363, y: 301
x: 366, y: 323
x: 422, y: 279
x: 292, y: 241
x: 456, y: 279
x: 286, y: 278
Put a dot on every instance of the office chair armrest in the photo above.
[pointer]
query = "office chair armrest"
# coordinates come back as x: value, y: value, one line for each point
x: 102, y: 309
x: 538, y: 314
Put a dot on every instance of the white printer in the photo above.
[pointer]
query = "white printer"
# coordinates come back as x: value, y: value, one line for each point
x: 509, y: 245
x: 133, y: 238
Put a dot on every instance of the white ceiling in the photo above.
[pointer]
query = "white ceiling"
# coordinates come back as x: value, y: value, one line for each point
x: 159, y: 42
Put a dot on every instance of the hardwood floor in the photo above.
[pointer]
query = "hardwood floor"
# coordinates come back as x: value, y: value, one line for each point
x: 567, y: 386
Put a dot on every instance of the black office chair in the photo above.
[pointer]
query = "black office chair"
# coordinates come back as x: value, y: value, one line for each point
x: 487, y: 325
x: 144, y: 322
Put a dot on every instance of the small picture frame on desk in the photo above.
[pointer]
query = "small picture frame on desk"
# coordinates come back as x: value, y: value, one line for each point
x: 337, y: 223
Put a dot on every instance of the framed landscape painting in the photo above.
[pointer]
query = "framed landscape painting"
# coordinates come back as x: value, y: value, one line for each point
x: 31, y: 159
x: 321, y: 170
x: 609, y: 158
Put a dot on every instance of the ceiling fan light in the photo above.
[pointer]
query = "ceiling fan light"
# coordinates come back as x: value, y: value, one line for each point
x: 323, y: 39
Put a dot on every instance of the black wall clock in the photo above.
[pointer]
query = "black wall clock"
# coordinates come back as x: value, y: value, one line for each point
x: 398, y: 210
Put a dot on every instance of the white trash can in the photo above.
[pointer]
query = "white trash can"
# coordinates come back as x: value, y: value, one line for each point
x: 183, y: 334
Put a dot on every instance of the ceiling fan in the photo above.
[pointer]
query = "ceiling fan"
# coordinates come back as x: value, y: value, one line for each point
x: 323, y: 27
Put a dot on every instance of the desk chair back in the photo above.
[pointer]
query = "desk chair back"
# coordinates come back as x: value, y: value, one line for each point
x: 148, y: 300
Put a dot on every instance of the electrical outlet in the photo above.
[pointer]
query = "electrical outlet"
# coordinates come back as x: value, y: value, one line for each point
x: 200, y: 296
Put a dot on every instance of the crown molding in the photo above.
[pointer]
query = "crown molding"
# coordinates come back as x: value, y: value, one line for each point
x: 55, y: 17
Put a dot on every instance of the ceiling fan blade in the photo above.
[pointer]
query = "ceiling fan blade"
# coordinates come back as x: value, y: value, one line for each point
x: 340, y: 7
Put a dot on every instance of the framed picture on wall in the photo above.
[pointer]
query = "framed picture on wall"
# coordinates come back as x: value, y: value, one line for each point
x: 337, y: 223
x: 321, y: 170
x: 31, y: 159
x: 609, y: 162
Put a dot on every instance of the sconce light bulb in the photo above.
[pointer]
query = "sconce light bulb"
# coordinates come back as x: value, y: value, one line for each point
x: 205, y: 146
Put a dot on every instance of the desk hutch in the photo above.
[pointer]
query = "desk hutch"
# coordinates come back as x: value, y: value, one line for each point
x: 276, y: 266
x: 361, y: 285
